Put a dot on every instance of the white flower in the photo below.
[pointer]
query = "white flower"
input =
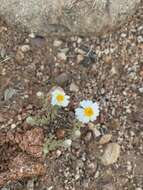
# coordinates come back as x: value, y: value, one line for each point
x: 59, y: 98
x: 88, y: 111
x: 67, y: 143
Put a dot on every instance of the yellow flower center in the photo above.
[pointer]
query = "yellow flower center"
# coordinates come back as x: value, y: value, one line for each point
x: 60, y: 98
x: 88, y: 112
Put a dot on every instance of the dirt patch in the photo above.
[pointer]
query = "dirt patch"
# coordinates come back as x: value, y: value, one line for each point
x: 16, y: 165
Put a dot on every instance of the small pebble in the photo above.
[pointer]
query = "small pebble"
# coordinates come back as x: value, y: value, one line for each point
x: 141, y: 90
x: 25, y: 48
x: 60, y: 133
x: 58, y: 153
x: 74, y: 87
x: 88, y: 137
x: 31, y: 35
x: 79, y: 40
x: 50, y: 188
x: 80, y: 58
x: 123, y: 35
x: 115, y: 124
x: 39, y: 94
x: 105, y: 139
x: 111, y: 154
x: 13, y: 126
x: 62, y: 79
x: 129, y: 166
x: 38, y: 41
x: 19, y: 56
x: 94, y: 129
x: 57, y: 43
x: 62, y: 56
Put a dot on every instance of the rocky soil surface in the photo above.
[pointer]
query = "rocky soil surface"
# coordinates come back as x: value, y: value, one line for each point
x: 107, y: 69
x: 72, y: 17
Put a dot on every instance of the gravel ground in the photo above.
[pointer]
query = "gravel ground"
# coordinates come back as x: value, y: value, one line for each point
x: 107, y: 69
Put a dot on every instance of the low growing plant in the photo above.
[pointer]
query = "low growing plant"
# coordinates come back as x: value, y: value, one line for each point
x: 86, y: 113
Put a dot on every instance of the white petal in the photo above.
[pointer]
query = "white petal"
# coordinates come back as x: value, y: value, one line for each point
x: 86, y: 103
x: 85, y: 119
x: 65, y: 103
x: 95, y: 106
x: 67, y: 97
x: 53, y: 101
x: 96, y: 109
x: 80, y: 115
x: 93, y: 118
x: 78, y: 111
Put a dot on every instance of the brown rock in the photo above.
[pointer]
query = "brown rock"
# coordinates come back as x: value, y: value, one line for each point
x: 32, y: 142
x: 115, y: 124
x: 88, y: 137
x: 105, y: 139
x: 141, y: 73
x: 80, y: 58
x: 60, y: 133
x: 19, y: 56
x: 21, y: 167
x: 108, y: 59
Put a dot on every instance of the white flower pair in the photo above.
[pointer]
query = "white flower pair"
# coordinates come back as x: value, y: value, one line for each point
x: 88, y: 110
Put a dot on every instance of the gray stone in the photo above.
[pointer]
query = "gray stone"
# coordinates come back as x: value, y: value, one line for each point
x: 63, y: 79
x: 74, y: 87
x: 66, y: 16
x: 62, y: 56
x: 57, y: 43
x: 111, y: 154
